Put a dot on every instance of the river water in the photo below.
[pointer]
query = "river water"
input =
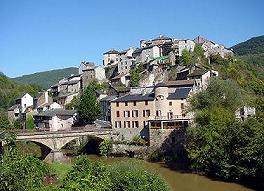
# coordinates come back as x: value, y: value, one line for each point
x: 177, y: 181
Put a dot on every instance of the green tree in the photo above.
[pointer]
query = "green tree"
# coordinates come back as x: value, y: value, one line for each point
x: 198, y: 51
x: 30, y: 122
x: 89, y: 108
x: 186, y: 57
x: 73, y: 104
x: 4, y: 122
x: 135, y: 78
x: 135, y: 75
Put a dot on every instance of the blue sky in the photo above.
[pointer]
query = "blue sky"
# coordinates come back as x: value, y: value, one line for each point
x: 39, y: 35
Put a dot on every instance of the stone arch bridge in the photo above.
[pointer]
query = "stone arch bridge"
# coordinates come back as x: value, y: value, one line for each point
x: 51, y: 143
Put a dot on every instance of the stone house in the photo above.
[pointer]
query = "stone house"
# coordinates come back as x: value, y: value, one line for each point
x: 163, y: 107
x: 23, y: 105
x: 156, y: 41
x: 245, y: 112
x: 121, y: 79
x: 201, y: 77
x: 110, y: 58
x: 64, y: 99
x: 55, y: 119
x: 85, y: 65
x: 74, y: 83
x: 96, y: 73
x: 13, y: 113
x: 182, y: 44
x: 42, y: 101
x: 125, y: 61
x: 212, y: 48
x: 25, y: 101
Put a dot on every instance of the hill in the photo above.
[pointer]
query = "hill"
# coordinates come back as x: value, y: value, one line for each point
x: 254, y: 45
x: 252, y: 51
x: 10, y: 90
x: 47, y: 78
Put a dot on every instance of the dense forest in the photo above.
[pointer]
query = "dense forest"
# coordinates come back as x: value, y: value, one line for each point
x: 47, y: 78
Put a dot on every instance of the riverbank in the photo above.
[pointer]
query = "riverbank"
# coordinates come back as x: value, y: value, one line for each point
x: 176, y: 180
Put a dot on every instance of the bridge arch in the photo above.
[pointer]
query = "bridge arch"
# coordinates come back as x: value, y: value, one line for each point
x: 87, y: 143
x: 45, y: 149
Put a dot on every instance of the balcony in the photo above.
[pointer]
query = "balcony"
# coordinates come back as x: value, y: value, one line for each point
x: 169, y: 118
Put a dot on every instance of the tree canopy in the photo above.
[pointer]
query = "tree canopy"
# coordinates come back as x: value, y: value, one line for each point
x: 218, y: 144
x: 89, y: 108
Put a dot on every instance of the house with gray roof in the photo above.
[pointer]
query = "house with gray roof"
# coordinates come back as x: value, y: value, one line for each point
x: 55, y: 119
x: 160, y: 107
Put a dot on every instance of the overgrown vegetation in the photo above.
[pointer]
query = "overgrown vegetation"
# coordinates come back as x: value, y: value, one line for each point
x: 135, y: 75
x: 19, y: 172
x: 196, y: 57
x: 106, y: 147
x: 218, y: 144
x: 89, y: 175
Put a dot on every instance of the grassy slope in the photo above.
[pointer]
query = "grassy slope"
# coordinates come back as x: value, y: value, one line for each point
x: 46, y: 79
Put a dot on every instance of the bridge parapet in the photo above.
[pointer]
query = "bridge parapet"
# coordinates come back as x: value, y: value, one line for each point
x: 55, y: 141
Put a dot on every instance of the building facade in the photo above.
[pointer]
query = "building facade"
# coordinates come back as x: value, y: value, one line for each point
x: 162, y: 108
x: 110, y: 57
x: 55, y: 120
x: 125, y: 60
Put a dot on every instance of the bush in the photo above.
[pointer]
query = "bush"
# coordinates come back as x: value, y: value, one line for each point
x: 137, y: 140
x: 93, y: 176
x: 18, y: 123
x: 156, y: 156
x: 131, y: 177
x: 106, y: 147
x: 4, y: 122
x: 87, y: 175
x: 21, y: 172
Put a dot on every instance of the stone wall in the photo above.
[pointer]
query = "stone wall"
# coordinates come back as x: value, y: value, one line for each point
x: 130, y: 150
x: 167, y: 138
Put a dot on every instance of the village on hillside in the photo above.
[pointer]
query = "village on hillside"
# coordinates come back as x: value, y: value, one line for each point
x: 147, y: 90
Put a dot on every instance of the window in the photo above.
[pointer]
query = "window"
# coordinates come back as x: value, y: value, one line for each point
x: 135, y: 103
x: 182, y: 105
x: 170, y: 115
x: 126, y: 113
x: 126, y: 124
x: 134, y: 113
x: 135, y: 124
x: 117, y: 114
x: 118, y: 124
x: 126, y: 103
x: 170, y: 103
x: 146, y: 102
x: 117, y: 104
x: 158, y: 113
x: 146, y: 113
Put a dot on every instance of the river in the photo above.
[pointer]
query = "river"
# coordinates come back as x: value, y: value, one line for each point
x: 177, y: 181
